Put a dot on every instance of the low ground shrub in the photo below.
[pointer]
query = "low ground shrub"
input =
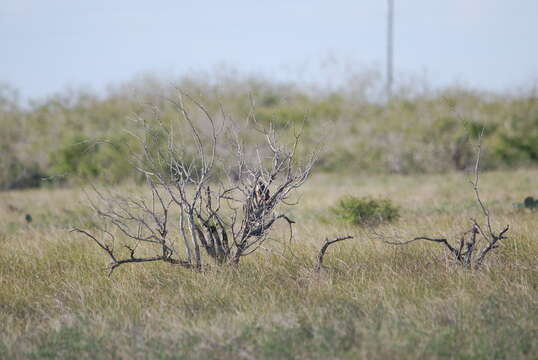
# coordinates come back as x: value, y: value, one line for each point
x: 365, y: 210
x: 529, y: 203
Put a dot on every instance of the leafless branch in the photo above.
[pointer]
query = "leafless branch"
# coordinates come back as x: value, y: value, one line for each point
x: 324, y: 248
x: 209, y: 191
x: 467, y: 251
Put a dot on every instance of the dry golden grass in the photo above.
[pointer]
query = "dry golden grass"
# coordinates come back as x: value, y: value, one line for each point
x: 372, y: 301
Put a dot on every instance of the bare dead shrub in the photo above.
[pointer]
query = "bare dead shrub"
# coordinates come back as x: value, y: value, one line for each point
x: 210, y: 191
x: 469, y: 250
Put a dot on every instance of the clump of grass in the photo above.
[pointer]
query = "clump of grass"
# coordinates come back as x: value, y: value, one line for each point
x: 365, y: 210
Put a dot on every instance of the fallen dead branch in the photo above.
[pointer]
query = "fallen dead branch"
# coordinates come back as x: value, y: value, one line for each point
x: 469, y: 250
x: 324, y: 248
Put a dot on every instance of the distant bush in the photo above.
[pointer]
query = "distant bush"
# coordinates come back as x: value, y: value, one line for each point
x: 529, y: 203
x: 14, y: 174
x: 88, y: 158
x: 16, y: 170
x: 522, y: 146
x: 281, y: 117
x: 365, y: 210
x: 76, y: 156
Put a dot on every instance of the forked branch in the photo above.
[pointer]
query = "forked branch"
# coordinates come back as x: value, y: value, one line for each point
x: 324, y: 248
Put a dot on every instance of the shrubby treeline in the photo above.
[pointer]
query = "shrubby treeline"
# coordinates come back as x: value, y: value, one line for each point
x: 84, y: 134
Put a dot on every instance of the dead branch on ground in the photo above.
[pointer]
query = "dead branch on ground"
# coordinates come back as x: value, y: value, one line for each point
x: 468, y: 250
x: 324, y: 248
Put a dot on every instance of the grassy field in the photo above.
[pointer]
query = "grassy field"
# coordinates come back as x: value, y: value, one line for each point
x: 372, y: 301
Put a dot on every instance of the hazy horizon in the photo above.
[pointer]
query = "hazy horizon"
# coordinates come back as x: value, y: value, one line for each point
x: 50, y: 47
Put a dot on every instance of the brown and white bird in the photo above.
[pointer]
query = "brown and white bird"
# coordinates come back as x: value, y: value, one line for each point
x: 261, y: 192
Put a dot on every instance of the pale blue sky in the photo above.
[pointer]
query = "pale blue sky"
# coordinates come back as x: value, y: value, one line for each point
x: 48, y: 45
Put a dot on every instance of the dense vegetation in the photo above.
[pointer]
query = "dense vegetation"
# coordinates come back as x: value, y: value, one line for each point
x: 78, y: 132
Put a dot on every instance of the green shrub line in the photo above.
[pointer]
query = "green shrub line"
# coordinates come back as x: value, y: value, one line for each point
x: 86, y: 135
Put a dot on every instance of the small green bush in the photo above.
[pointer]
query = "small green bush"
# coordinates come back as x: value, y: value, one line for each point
x: 93, y: 159
x: 529, y: 203
x: 365, y: 210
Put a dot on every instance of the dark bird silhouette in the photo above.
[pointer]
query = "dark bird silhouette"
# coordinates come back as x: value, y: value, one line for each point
x: 28, y: 218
